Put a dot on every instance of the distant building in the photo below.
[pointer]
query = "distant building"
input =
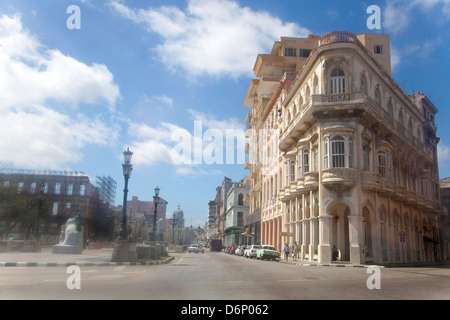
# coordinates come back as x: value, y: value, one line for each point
x: 179, y: 215
x: 68, y: 194
x: 143, y: 212
x: 211, y: 214
x: 237, y: 211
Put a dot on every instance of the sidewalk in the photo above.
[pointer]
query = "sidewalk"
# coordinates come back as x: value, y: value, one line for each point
x: 304, y: 263
x: 45, y: 258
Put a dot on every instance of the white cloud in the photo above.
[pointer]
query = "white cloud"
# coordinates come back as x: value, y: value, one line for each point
x: 188, y: 150
x: 443, y: 154
x: 34, y: 134
x: 397, y: 15
x: 28, y: 66
x: 211, y: 37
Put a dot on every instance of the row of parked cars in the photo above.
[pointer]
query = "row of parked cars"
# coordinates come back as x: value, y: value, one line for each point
x: 262, y: 252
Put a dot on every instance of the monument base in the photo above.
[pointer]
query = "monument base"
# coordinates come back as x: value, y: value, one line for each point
x: 65, y: 249
x: 124, y: 251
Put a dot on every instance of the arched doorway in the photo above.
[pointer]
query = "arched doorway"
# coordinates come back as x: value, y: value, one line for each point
x: 340, y: 242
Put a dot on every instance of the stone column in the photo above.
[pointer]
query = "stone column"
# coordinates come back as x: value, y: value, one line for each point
x: 325, y: 252
x: 355, y: 235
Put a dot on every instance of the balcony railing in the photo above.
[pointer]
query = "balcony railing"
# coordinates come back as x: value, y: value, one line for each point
x: 336, y: 37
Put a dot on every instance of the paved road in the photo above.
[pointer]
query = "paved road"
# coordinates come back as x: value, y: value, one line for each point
x: 219, y: 276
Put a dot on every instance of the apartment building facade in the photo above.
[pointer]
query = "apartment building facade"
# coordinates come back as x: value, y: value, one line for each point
x: 67, y: 194
x: 353, y: 173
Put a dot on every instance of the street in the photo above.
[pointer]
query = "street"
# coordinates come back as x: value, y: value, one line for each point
x: 220, y: 276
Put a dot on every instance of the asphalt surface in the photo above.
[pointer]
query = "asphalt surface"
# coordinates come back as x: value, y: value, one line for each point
x: 102, y: 257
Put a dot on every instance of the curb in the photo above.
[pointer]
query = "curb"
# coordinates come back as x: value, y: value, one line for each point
x: 82, y: 264
x: 334, y: 265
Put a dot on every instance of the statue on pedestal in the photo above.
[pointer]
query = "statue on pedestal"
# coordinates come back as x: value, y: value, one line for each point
x: 71, y: 238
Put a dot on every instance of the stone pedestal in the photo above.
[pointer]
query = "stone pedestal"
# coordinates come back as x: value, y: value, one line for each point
x: 124, y: 251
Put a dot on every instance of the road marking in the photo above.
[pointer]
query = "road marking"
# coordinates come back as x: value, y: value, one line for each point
x: 295, y: 280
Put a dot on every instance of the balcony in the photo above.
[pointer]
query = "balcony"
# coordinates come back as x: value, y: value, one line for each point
x: 411, y: 197
x: 311, y: 181
x: 387, y: 187
x: 400, y: 192
x: 336, y: 37
x: 339, y: 178
x: 370, y: 181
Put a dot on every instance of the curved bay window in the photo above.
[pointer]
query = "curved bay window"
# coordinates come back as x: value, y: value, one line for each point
x: 337, y: 81
x: 338, y: 152
x: 384, y: 161
x: 303, y: 162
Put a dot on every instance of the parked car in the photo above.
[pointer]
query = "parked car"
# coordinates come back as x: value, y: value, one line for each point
x: 227, y: 249
x: 196, y: 248
x: 267, y: 252
x: 251, y: 251
x: 240, y: 250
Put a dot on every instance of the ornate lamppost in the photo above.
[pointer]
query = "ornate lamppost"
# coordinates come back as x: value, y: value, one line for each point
x: 124, y: 250
x: 174, y: 222
x: 37, y: 232
x: 155, y: 202
x: 127, y: 168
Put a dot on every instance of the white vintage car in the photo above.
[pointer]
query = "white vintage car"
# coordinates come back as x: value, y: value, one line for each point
x: 196, y: 248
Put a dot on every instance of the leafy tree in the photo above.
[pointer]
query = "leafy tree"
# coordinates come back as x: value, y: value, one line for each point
x: 20, y: 210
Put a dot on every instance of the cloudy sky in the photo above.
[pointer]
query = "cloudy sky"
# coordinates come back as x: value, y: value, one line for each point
x: 78, y: 88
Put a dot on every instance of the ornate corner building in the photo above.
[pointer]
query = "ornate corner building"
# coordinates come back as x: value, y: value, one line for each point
x: 342, y: 160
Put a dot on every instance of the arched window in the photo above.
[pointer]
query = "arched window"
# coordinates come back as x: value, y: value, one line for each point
x: 384, y: 164
x: 316, y: 86
x: 300, y: 163
x: 308, y: 94
x: 419, y: 135
x: 363, y: 84
x: 367, y: 232
x: 306, y: 160
x: 410, y: 126
x: 240, y: 199
x: 377, y: 96
x: 337, y: 81
x: 390, y: 108
x: 326, y: 143
x: 400, y: 117
x: 292, y: 171
x: 337, y: 152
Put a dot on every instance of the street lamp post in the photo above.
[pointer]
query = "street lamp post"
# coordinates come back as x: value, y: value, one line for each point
x: 37, y: 232
x: 127, y: 168
x: 124, y: 251
x: 155, y: 202
x: 174, y: 222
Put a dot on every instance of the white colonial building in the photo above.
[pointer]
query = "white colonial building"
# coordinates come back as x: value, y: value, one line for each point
x: 355, y: 175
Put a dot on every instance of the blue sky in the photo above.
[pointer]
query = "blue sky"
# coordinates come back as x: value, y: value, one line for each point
x: 139, y: 72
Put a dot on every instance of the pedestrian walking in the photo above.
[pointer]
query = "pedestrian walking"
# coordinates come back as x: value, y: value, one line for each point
x: 295, y: 251
x: 286, y: 252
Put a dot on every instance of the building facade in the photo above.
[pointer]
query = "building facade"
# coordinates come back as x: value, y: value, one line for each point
x: 445, y: 201
x: 353, y: 173
x: 140, y: 215
x: 67, y: 194
x: 237, y: 211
